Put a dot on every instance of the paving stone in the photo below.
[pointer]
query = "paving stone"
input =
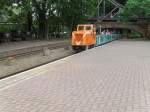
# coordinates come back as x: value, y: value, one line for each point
x: 111, y: 78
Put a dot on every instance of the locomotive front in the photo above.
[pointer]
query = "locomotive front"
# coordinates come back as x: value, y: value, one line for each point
x: 84, y: 37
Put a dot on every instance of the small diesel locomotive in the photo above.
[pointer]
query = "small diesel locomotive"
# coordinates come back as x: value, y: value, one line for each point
x: 84, y: 37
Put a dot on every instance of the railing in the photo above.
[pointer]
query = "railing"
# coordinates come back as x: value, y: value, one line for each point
x: 102, y: 39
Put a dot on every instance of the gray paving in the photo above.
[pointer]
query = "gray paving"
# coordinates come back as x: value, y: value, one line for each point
x: 111, y: 78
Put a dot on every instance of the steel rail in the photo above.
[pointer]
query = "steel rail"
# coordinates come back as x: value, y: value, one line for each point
x: 50, y: 47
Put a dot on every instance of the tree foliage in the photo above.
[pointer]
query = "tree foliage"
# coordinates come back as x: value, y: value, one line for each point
x: 43, y: 13
x: 137, y: 8
x: 46, y: 12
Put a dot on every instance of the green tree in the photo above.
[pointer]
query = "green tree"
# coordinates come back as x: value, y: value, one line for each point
x: 136, y: 8
x: 65, y: 12
x: 72, y: 12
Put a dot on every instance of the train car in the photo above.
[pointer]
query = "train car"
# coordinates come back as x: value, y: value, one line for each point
x: 85, y: 37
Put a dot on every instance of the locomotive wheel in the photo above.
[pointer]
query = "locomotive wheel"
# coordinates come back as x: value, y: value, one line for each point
x: 91, y: 46
x: 77, y: 48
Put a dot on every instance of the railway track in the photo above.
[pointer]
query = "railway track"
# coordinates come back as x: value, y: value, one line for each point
x: 32, y: 50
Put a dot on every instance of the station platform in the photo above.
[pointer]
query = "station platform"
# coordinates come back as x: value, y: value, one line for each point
x: 114, y: 77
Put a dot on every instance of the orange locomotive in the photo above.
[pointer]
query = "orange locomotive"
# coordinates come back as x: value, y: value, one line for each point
x: 84, y: 37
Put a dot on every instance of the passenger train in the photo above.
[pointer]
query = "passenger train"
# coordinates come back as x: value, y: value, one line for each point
x: 85, y: 37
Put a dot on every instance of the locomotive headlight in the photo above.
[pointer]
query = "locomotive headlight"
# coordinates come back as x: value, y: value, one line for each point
x: 78, y: 43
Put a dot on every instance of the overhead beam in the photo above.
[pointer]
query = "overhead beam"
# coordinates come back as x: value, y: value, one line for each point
x: 98, y: 7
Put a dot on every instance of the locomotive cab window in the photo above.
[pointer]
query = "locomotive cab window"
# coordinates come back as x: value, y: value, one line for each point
x: 88, y: 28
x: 81, y: 28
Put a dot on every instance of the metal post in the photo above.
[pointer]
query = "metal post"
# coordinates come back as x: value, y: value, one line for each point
x: 98, y: 8
x: 100, y: 30
x: 104, y: 7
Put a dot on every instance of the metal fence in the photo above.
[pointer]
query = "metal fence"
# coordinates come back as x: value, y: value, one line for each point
x: 103, y: 38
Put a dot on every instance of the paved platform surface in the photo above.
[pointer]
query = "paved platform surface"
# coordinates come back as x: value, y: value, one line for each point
x: 110, y: 78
